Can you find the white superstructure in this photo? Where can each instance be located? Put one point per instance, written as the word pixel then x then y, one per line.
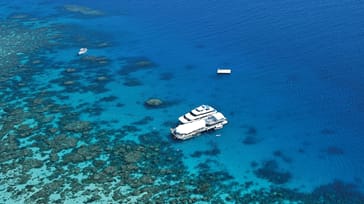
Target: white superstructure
pixel 212 121
pixel 197 113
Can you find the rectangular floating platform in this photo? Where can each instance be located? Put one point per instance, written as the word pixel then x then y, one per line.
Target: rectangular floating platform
pixel 223 71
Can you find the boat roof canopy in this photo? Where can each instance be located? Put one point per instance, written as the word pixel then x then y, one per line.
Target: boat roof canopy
pixel 219 116
pixel 190 127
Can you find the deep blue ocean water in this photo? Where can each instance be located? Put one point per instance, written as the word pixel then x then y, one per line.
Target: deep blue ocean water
pixel 294 100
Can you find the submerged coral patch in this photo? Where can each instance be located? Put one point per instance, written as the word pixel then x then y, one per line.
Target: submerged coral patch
pixel 271 172
pixel 212 152
pixel 153 103
pixel 327 131
pixel 251 140
pixel 134 64
pixel 95 61
pixel 108 98
pixel 283 156
pixel 166 76
pixel 251 135
pixel 77 126
pixel 144 120
pixel 132 81
pixel 82 10
pixel 339 191
pixel 130 128
pixel 334 150
pixel 21 16
pixel 250 130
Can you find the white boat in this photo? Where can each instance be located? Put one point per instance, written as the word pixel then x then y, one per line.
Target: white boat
pixel 223 71
pixel 197 113
pixel 192 129
pixel 82 51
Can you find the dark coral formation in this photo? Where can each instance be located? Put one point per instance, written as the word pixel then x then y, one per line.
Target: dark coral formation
pixel 284 157
pixel 144 120
pixel 109 98
pixel 339 192
pixel 132 81
pixel 250 130
pixel 251 136
pixel 134 64
pixel 327 131
pixel 333 150
pixel 251 140
pixel 271 172
pixel 166 76
pixel 214 151
pixel 335 192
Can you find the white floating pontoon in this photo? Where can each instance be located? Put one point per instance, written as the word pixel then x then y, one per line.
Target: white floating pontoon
pixel 223 71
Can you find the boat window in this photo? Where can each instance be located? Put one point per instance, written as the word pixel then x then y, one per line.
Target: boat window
pixel 192 114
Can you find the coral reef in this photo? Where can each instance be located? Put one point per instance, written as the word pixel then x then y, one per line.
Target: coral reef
pixel 82 10
pixel 271 172
pixel 153 102
pixel 134 64
pixel 132 81
pixel 251 136
pixel 333 150
pixel 284 157
pixel 166 76
pixel 214 151
pixel 251 140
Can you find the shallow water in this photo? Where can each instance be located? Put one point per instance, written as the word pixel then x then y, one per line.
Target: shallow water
pixel 75 125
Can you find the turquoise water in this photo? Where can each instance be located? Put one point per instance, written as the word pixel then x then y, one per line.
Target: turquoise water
pixel 75 129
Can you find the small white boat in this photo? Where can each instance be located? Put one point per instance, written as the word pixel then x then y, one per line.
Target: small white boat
pixel 82 51
pixel 223 71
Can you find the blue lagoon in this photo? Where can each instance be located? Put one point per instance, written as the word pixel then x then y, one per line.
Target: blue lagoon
pixel 95 127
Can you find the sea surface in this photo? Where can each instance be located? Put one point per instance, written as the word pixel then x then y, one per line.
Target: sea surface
pixel 78 128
